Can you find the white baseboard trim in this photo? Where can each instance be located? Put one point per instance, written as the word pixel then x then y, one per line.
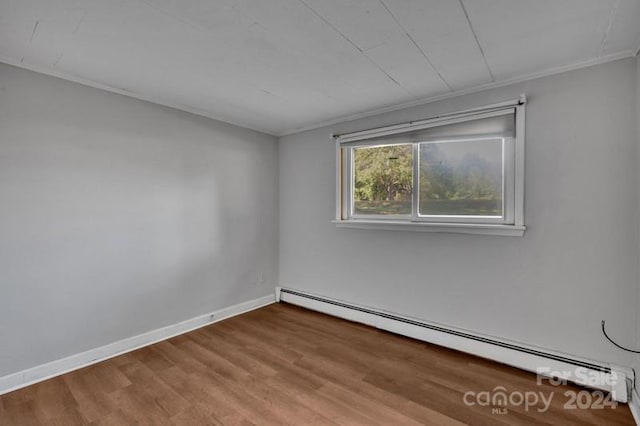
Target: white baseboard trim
pixel 545 362
pixel 634 405
pixel 55 368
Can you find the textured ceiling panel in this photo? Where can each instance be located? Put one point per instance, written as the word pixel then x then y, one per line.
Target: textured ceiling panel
pixel 281 65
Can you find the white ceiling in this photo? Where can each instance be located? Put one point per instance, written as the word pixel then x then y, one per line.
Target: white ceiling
pixel 282 65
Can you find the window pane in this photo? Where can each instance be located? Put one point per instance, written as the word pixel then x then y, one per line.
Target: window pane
pixel 461 178
pixel 383 177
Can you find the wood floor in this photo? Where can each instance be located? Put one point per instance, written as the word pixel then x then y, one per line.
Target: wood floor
pixel 286 365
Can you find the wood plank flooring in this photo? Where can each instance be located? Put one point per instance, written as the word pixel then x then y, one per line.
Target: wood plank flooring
pixel 285 365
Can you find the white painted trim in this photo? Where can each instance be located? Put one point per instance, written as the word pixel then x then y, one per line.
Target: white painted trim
pixel 532 76
pixel 457 228
pixel 523 360
pixel 125 92
pixel 55 368
pixel 634 406
pixel 520 150
pixel 503 108
pixel 510 224
pixel 339 168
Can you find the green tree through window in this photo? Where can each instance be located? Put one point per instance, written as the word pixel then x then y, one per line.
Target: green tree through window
pixel 383 180
pixel 461 178
pixel 456 178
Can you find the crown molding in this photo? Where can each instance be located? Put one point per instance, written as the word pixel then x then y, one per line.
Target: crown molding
pixel 532 76
pixel 125 92
pixel 163 102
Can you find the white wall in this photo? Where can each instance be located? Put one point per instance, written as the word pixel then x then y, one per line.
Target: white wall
pixel 576 264
pixel 636 363
pixel 119 216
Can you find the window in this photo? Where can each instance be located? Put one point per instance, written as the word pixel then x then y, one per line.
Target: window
pixel 459 172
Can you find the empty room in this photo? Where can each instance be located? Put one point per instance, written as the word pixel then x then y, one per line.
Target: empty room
pixel 319 212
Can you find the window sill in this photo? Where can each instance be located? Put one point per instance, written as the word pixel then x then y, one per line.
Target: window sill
pixel 457 228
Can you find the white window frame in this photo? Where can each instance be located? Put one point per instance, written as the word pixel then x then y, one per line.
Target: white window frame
pixel 512 224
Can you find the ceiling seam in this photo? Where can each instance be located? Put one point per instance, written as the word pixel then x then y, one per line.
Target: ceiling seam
pixel 422 52
pixel 487 86
pixel 58 59
pixel 33 33
pixel 612 16
pixel 168 14
pixel 323 19
pixel 196 26
pixel 473 31
pixel 79 24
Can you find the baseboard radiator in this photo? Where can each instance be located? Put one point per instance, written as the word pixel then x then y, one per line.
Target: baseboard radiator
pixel 548 363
